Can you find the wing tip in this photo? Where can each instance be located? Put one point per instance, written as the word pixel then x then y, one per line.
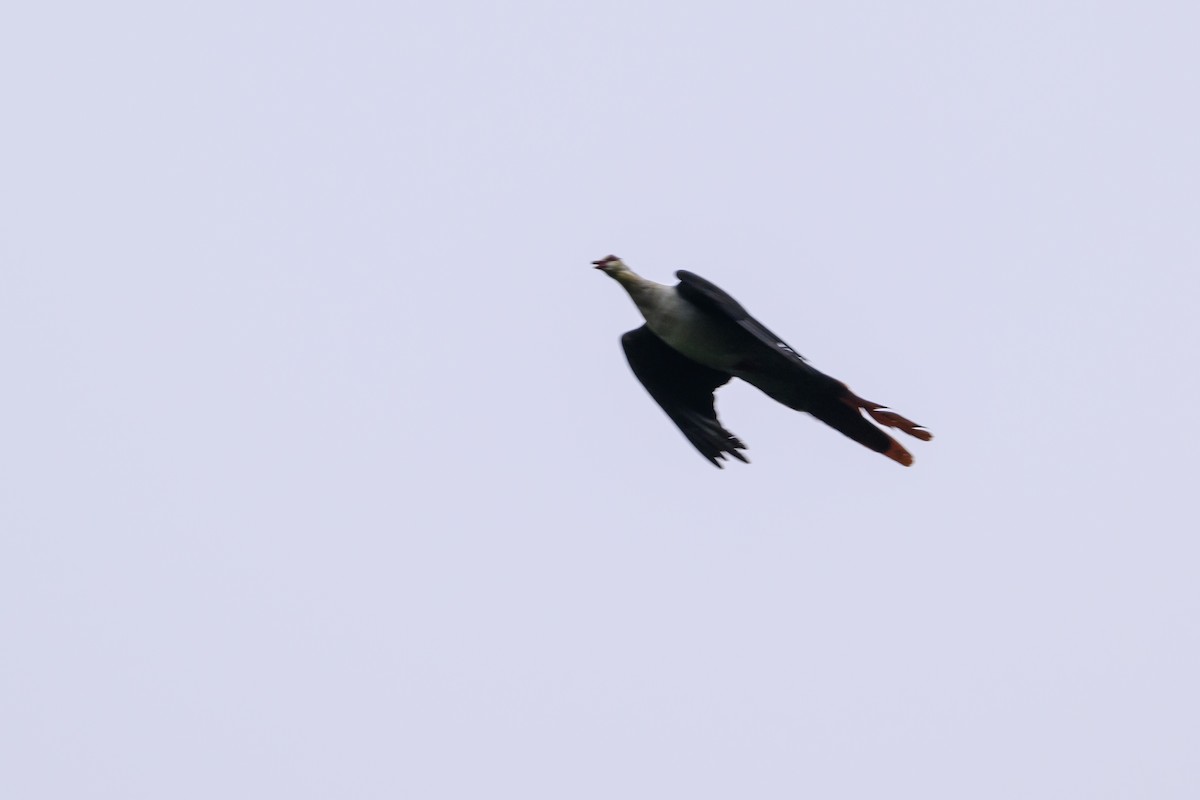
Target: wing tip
pixel 718 458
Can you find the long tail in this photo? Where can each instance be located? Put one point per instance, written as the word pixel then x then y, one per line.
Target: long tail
pixel 850 421
pixel 844 413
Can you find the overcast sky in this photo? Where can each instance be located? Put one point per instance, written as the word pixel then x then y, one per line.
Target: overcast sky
pixel 323 474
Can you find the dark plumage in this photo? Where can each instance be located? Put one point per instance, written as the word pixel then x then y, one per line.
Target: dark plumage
pixel 697 337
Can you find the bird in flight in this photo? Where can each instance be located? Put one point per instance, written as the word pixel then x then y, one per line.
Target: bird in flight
pixel 697 337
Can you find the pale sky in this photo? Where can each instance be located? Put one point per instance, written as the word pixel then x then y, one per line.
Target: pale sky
pixel 323 473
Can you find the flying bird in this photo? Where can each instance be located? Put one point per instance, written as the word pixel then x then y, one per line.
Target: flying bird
pixel 697 337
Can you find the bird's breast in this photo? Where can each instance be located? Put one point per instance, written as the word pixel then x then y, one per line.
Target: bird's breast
pixel 704 339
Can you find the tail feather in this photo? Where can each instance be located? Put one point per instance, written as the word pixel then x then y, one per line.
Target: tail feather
pixel 849 421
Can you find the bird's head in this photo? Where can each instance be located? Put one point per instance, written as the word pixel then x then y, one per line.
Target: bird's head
pixel 611 265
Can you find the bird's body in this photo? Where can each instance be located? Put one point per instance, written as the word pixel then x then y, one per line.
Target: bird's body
pixel 697 337
pixel 706 340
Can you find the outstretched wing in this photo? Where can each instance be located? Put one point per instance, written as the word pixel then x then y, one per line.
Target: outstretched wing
pixel 791 380
pixel 717 302
pixel 684 389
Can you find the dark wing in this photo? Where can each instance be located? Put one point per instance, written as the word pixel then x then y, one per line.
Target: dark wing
pixel 796 383
pixel 717 302
pixel 684 389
